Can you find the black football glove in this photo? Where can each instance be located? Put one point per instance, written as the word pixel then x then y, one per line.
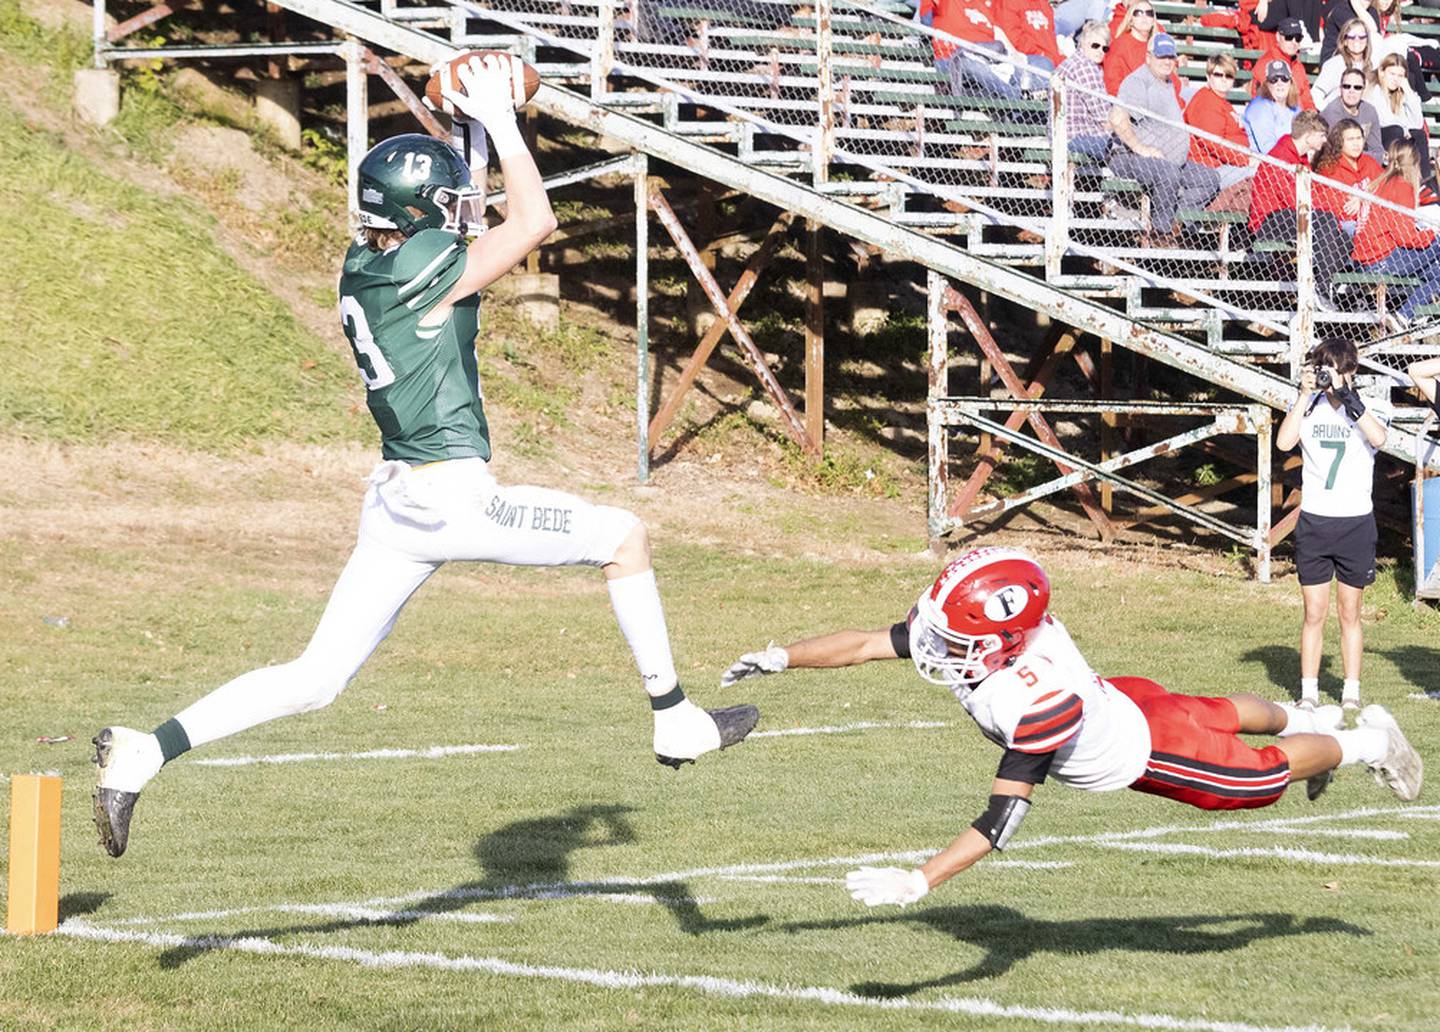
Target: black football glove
pixel 1350 399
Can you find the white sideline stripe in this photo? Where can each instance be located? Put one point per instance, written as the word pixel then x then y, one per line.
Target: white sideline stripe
pixel 1430 696
pixel 859 725
pixel 706 984
pixel 434 752
pixel 372 915
pixel 1302 855
pixel 1374 834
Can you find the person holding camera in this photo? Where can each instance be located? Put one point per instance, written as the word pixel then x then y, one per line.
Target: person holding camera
pixel 1335 537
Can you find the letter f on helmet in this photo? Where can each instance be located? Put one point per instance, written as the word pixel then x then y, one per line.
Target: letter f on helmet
pixel 978 615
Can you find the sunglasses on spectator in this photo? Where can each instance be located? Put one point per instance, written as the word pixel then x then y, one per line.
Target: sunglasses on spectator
pixel 1143 12
pixel 1100 46
pixel 1352 85
pixel 1272 80
pixel 1292 39
pixel 1358 35
pixel 1221 75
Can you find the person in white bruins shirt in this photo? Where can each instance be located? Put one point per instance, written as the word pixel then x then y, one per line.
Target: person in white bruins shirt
pixel 983 631
pixel 1338 437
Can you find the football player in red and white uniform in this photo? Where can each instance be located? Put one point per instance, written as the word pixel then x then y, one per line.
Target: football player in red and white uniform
pixel 983 630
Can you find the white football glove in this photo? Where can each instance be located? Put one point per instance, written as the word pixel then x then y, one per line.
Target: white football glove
pixel 771 661
pixel 489 87
pixel 876 886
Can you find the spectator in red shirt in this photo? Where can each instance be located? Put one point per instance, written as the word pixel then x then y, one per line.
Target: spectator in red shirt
pixel 1389 241
pixel 1272 202
pixel 1029 27
pixel 1130 42
pixel 1343 159
pixel 1287 50
pixel 966 68
pixel 1210 109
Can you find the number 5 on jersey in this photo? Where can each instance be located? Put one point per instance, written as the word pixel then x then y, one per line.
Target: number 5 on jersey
pixel 374 370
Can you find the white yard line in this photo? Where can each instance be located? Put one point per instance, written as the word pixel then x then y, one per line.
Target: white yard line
pixel 433 752
pixel 859 725
pixel 708 985
pixel 1308 856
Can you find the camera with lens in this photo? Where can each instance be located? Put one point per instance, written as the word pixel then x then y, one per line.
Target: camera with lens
pixel 1325 377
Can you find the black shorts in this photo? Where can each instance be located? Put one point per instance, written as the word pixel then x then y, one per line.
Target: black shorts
pixel 1335 546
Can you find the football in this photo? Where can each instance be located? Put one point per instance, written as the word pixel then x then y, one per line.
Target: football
pixel 444 74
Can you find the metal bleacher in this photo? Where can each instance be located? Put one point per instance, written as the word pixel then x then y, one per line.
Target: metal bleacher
pixel 833 110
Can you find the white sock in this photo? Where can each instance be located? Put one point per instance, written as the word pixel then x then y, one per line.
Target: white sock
pixel 636 601
pixel 1351 689
pixel 1297 721
pixel 1309 687
pixel 1366 745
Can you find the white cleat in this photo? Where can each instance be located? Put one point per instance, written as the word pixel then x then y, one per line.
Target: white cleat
pixel 685 732
pixel 1328 717
pixel 1350 700
pixel 127 760
pixel 1402 771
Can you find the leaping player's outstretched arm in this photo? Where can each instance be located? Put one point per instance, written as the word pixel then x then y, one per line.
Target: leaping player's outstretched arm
pixel 1425 374
pixel 488 99
pixel 837 649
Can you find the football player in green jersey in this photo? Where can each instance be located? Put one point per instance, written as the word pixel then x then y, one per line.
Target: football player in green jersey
pixel 409 306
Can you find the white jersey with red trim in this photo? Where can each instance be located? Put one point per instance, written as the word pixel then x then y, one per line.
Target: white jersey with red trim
pixel 1049 700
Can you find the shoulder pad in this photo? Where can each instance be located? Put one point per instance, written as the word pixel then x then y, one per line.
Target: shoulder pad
pixel 429 257
pixel 1048 722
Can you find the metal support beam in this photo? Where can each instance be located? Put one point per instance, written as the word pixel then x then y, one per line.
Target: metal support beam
pixel 140 21
pixel 815 334
pixel 402 90
pixel 937 375
pixel 357 121
pixel 642 316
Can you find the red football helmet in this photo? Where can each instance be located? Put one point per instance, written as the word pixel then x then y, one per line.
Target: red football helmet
pixel 978 615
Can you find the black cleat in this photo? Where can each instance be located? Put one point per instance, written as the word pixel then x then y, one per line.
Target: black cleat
pixel 1315 786
pixel 733 723
pixel 113 807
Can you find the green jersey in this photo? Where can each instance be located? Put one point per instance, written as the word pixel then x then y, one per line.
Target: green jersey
pixel 422 385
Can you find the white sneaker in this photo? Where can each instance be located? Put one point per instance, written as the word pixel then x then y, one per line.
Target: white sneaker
pixel 1350 699
pixel 127 760
pixel 1328 717
pixel 1401 770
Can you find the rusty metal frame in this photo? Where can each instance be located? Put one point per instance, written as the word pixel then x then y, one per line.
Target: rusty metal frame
pixel 790 422
pixel 1225 419
pixel 716 331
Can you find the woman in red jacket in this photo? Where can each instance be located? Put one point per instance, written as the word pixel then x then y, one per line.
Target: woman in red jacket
pixel 1211 110
pixel 1389 241
pixel 1128 42
pixel 1344 160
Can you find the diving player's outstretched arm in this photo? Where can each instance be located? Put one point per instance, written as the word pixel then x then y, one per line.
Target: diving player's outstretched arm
pixel 487 98
pixel 837 649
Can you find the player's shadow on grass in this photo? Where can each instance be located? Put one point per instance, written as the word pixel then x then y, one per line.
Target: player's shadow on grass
pixel 528 859
pixel 1282 667
pixel 1008 937
pixel 78 904
pixel 1418 665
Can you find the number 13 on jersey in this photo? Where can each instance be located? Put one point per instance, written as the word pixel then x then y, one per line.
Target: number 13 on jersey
pixel 374 370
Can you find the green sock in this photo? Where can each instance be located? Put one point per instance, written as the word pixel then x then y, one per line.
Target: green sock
pixel 172 738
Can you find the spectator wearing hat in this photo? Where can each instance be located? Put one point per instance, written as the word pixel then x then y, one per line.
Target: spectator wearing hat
pixel 1269 114
pixel 1129 43
pixel 1087 110
pixel 1210 110
pixel 1154 145
pixel 1273 213
pixel 1287 50
pixel 1349 103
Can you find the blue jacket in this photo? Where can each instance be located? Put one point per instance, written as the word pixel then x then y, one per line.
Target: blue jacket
pixel 1267 121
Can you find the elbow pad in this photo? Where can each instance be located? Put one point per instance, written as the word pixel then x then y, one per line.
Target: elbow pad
pixel 1001 819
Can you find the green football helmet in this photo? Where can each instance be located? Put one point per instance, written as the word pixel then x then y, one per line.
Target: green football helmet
pixel 413 182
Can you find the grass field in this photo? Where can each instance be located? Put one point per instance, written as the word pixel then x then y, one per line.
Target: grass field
pixel 571 881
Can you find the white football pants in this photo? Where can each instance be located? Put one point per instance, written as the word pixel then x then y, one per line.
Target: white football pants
pixel 413 520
